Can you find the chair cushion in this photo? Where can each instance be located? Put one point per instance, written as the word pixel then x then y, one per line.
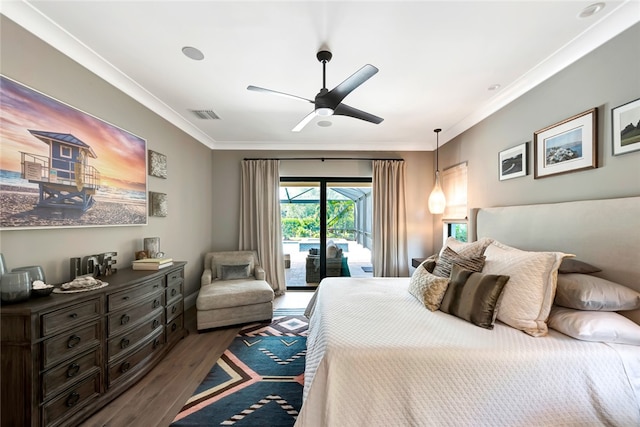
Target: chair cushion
pixel 233 293
pixel 231 258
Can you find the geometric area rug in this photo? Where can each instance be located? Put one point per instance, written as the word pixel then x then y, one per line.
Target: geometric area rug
pixel 257 381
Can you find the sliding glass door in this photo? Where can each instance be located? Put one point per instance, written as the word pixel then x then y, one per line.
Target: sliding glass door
pixel 329 213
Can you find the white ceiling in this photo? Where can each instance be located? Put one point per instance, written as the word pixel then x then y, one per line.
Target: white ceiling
pixel 437 60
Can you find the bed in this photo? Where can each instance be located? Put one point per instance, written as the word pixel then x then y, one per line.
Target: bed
pixel 377 357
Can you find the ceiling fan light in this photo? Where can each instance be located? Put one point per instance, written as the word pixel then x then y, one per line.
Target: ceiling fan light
pixel 324 111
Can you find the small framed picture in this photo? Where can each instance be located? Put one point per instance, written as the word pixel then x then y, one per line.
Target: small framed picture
pixel 157 164
pixel 625 128
pixel 568 146
pixel 512 163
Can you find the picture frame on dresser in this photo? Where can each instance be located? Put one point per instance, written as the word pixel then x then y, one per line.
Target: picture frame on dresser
pixel 567 146
pixel 625 128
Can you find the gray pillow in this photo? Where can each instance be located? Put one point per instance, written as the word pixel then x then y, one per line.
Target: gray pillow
pixel 473 296
pixel 449 257
pixel 572 265
pixel 230 272
pixel 586 292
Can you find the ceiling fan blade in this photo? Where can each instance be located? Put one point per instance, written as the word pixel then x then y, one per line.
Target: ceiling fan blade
pixel 286 95
pixel 345 110
pixel 338 93
pixel 304 121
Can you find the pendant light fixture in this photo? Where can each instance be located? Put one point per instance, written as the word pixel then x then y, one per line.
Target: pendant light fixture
pixel 437 201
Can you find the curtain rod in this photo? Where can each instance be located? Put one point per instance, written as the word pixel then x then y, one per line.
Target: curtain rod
pixel 318 158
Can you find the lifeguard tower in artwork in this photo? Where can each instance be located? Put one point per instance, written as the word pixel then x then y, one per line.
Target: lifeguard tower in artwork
pixel 65 178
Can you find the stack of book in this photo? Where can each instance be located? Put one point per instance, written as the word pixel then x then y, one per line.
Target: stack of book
pixel 151 263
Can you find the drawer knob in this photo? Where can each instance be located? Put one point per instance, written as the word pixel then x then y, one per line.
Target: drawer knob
pixel 125 298
pixel 73 398
pixel 124 343
pixel 124 319
pixel 156 286
pixel 174 292
pixel 156 323
pixel 174 309
pixel 174 327
pixel 125 367
pixel 73 341
pixel 156 343
pixel 156 303
pixel 73 370
pixel 73 315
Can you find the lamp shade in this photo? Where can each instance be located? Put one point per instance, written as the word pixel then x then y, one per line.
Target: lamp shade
pixel 437 202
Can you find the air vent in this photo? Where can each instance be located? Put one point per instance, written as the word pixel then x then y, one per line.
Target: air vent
pixel 205 114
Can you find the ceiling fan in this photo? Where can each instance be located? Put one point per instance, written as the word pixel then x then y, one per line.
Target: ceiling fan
pixel 329 102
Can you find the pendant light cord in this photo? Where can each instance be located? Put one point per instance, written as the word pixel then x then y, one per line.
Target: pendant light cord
pixel 437 131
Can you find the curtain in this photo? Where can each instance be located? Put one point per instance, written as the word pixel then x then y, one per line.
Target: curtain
pixel 389 219
pixel 260 226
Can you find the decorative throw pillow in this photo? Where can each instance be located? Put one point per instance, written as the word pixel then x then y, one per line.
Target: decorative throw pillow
pixel 230 272
pixel 449 257
pixel 529 294
pixel 585 292
pixel 601 326
pixel 467 249
pixel 571 265
pixel 427 288
pixel 473 296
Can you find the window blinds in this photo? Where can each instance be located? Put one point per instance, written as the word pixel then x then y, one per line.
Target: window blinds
pixel 454 186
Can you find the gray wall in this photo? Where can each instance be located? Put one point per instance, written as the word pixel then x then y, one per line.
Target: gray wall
pixel 226 171
pixel 606 78
pixel 184 235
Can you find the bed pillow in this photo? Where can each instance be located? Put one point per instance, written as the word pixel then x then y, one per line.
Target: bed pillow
pixel 427 288
pixel 230 272
pixel 473 296
pixel 467 249
pixel 572 265
pixel 449 257
pixel 601 326
pixel 529 294
pixel 585 292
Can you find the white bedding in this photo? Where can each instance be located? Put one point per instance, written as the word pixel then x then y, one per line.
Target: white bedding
pixel 377 357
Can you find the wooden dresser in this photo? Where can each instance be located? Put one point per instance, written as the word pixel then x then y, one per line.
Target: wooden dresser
pixel 66 356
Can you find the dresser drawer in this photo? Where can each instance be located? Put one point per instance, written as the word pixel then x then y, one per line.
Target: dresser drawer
pixel 130 317
pixel 174 291
pixel 118 371
pixel 131 296
pixel 119 345
pixel 59 409
pixel 175 277
pixel 174 310
pixel 67 318
pixel 70 344
pixel 67 373
pixel 175 329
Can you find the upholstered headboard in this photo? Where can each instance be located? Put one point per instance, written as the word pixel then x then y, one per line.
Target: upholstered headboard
pixel 605 233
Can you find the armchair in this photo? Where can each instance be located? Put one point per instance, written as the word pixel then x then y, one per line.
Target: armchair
pixel 233 290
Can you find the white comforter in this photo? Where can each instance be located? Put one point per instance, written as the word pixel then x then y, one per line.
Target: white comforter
pixel 377 357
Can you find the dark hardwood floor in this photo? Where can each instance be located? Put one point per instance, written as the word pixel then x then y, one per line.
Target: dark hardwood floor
pixel 158 397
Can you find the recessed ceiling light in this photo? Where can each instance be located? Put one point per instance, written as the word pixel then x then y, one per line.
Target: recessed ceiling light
pixel 324 123
pixel 591 10
pixel 193 53
pixel 494 87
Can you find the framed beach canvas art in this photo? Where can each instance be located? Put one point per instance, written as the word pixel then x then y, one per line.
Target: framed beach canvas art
pixel 62 167
pixel 568 146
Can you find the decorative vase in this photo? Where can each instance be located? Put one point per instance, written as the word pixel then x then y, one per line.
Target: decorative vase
pixel 15 286
pixel 35 272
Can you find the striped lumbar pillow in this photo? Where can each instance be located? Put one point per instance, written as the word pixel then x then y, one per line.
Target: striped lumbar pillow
pixel 449 257
pixel 473 296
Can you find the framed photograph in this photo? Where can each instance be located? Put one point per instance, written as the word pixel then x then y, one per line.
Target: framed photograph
pixel 157 164
pixel 568 146
pixel 62 167
pixel 625 128
pixel 512 163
